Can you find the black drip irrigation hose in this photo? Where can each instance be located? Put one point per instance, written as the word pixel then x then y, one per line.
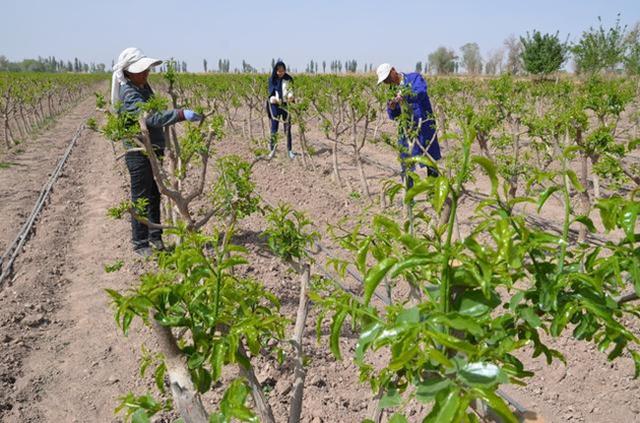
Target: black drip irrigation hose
pixel 15 247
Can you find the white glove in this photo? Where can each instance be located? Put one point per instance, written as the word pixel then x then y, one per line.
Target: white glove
pixel 274 100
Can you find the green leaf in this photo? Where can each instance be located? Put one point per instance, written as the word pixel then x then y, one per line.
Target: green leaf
pixel 568 152
pixel 217 360
pixel 427 390
pixel 336 329
pixel 158 376
pixel 545 196
pixel 202 379
pixel 408 264
pixel 417 189
pixel 515 300
pixel 634 273
pixel 586 221
pixel 389 225
pixel 375 275
pixel 496 403
pixel 452 342
pixel 490 168
pixel 365 339
pixel 473 303
pixel 460 322
pixel 398 418
pixel 140 416
pixel 361 259
pixel 636 361
pixel 529 315
pixel 195 361
pixel 446 408
pixel 574 180
pixel 408 316
pixel 628 219
pixel 391 399
pixel 479 374
pixel 441 192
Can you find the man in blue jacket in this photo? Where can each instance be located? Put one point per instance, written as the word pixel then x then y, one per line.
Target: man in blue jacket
pixel 415 96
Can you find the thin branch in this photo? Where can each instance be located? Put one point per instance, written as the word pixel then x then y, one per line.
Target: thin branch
pixel 298 332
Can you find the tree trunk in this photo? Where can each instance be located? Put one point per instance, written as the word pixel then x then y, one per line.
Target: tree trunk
pixel 336 170
pixel 299 370
pixel 596 179
pixel 484 146
pixel 186 399
pixel 8 139
pixel 363 177
pixel 20 126
pixel 263 408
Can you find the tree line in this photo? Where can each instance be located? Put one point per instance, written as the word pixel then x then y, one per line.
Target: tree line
pixel 51 65
pixel 615 50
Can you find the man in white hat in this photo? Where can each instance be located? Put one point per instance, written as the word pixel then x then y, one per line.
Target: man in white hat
pixel 418 104
pixel 130 88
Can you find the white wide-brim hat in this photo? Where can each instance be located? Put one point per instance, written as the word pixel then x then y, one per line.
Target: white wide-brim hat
pixel 383 72
pixel 143 64
pixel 133 60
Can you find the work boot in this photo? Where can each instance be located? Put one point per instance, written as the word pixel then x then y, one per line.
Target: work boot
pixel 144 252
pixel 156 244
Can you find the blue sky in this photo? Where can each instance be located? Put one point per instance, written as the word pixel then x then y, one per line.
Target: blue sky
pixel 374 31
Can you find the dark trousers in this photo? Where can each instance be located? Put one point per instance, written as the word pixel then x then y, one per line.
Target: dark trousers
pixel 279 114
pixel 143 186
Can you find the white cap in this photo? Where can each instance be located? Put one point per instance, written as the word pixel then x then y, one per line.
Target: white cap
pixel 383 72
pixel 135 61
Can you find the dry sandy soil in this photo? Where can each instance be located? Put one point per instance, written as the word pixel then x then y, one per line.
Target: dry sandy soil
pixel 62 358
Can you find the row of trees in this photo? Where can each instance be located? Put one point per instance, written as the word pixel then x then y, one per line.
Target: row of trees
pixel 614 49
pixel 50 64
pixel 336 66
pixel 455 313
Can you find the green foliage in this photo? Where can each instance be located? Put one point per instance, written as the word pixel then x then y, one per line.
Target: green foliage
pixel 139 207
pixel 195 289
pixel 543 54
pixel 287 233
pixel 113 267
pixel 92 124
pixel 154 104
pixel 234 191
pixel 120 126
pixel 442 61
pixel 232 406
pixel 482 298
pixel 101 103
pixel 632 59
pixel 139 409
pixel 600 49
pixel 471 58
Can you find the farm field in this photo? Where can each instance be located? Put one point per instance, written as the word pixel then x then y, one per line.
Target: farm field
pixel 563 143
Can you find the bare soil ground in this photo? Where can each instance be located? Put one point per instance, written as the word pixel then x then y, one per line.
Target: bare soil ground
pixel 63 360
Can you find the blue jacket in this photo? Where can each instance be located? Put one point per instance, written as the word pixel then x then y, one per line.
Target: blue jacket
pixel 275 83
pixel 131 96
pixel 422 111
pixel 275 86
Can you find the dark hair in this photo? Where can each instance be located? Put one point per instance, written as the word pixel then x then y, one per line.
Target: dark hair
pixel 274 74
